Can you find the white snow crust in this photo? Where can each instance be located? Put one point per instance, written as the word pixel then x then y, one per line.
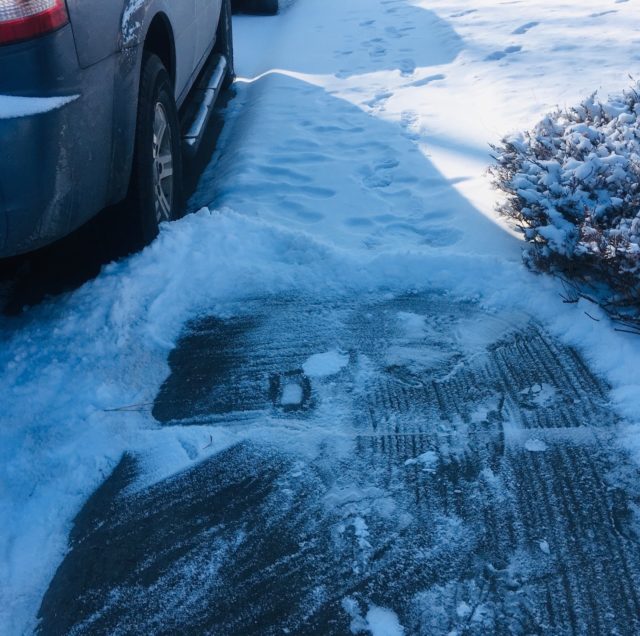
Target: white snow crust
pixel 14 107
pixel 383 622
pixel 379 621
pixel 535 446
pixel 322 365
pixel 291 394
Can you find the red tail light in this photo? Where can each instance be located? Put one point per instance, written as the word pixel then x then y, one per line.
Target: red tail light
pixel 25 19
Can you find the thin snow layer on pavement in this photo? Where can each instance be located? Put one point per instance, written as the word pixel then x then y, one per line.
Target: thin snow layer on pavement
pixel 351 163
pixel 383 487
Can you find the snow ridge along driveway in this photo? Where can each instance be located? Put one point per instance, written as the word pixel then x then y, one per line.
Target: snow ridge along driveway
pixel 348 179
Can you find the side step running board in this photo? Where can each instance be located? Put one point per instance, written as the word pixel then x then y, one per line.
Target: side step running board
pixel 201 103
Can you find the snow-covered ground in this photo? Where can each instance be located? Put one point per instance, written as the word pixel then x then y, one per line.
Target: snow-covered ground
pixel 352 162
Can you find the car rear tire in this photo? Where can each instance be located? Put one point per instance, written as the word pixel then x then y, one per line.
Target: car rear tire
pixel 156 185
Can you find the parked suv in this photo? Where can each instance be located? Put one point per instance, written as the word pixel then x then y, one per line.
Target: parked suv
pixel 98 100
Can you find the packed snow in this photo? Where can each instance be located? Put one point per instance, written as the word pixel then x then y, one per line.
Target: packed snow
pixel 427 460
pixel 353 161
pixel 535 446
pixel 291 394
pixel 378 621
pixel 320 365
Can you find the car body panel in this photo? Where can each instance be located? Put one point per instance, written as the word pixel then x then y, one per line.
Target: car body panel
pixel 93 45
pixel 59 168
pixel 207 15
pixel 43 67
pixel 182 18
pixel 52 165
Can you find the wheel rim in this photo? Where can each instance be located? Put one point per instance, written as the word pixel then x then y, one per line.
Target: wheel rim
pixel 162 164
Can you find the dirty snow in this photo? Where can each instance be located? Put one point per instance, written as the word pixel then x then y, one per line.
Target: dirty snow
pixel 352 161
pixel 130 24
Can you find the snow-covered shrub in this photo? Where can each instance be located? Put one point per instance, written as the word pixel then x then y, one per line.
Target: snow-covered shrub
pixel 573 186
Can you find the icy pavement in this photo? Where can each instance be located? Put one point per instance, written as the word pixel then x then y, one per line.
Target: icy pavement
pixel 337 402
pixel 442 463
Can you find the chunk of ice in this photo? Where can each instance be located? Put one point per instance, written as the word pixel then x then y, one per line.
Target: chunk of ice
pixel 291 395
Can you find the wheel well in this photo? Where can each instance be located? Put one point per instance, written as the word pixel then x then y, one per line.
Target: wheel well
pixel 159 41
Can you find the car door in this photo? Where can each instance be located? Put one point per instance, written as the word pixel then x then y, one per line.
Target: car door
pixel 183 18
pixel 207 12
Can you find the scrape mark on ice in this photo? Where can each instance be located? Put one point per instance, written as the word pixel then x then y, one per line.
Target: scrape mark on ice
pixel 388 487
pixel 361 535
pixel 416 359
pixel 322 365
pixel 362 532
pixel 354 500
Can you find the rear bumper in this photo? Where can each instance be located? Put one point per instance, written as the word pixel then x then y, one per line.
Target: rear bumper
pixel 56 159
pixel 37 175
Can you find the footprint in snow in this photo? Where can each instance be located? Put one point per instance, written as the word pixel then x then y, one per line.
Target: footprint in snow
pixel 427 80
pixel 377 52
pixel 460 14
pixel 499 55
pixel 290 391
pixel 358 222
pixel 521 30
pixel 407 67
pixel 603 13
pixel 378 99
